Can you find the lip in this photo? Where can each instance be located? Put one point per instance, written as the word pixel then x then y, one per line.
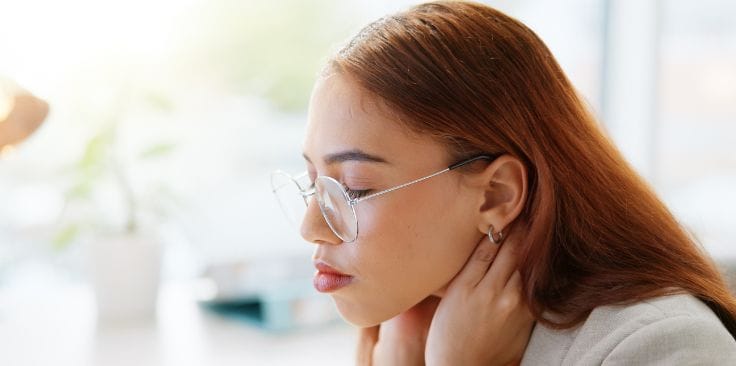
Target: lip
pixel 326 268
pixel 329 279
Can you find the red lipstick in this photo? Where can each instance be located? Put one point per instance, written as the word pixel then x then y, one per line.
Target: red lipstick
pixel 328 279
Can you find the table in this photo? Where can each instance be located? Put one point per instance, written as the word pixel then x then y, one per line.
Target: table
pixel 55 324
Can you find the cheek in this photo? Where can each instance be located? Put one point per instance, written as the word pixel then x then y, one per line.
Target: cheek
pixel 383 262
pixel 406 251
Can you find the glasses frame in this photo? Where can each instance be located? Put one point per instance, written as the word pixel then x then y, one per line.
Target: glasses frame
pixel 352 202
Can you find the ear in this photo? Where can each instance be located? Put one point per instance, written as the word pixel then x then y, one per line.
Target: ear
pixel 502 191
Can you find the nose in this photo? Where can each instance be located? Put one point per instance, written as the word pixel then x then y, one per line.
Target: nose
pixel 314 228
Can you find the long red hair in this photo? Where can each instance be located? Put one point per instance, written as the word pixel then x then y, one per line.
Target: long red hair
pixel 481 82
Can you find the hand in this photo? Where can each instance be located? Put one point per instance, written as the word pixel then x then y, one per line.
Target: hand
pixel 481 320
pixel 399 340
pixel 474 323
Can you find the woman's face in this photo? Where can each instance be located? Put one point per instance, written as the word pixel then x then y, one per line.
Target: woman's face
pixel 412 241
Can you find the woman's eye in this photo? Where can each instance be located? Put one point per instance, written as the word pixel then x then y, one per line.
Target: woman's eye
pixel 355 194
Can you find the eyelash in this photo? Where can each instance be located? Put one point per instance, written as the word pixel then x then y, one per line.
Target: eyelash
pixel 352 193
pixel 355 194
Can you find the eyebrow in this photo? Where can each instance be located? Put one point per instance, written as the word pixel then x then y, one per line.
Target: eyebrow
pixel 350 155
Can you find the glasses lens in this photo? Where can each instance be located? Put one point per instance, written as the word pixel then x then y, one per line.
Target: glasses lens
pixel 334 205
pixel 289 197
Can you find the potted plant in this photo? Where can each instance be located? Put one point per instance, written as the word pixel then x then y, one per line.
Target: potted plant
pixel 117 218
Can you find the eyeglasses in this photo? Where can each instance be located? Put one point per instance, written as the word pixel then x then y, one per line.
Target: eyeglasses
pixel 336 202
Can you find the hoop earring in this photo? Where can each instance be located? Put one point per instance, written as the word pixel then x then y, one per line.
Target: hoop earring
pixel 494 239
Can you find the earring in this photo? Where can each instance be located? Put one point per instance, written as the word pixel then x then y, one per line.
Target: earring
pixel 494 239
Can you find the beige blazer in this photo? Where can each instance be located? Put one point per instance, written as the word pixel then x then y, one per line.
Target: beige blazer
pixel 670 330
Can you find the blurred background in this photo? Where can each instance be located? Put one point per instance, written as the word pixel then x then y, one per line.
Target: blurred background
pixel 137 224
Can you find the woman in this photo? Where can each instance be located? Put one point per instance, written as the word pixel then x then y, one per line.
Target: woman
pixel 469 210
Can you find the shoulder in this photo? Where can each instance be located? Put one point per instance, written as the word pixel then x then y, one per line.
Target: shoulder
pixel 669 330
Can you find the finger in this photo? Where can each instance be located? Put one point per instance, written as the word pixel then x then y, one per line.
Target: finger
pixel 477 265
pixel 367 338
pixel 514 288
pixel 503 267
pixel 514 283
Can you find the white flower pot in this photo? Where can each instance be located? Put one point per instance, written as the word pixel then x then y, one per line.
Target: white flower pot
pixel 125 273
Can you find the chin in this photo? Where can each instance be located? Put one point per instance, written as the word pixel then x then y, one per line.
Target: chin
pixel 360 316
pixel 358 322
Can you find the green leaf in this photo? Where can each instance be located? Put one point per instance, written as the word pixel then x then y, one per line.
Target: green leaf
pixel 157 150
pixel 80 190
pixel 160 102
pixel 95 152
pixel 66 236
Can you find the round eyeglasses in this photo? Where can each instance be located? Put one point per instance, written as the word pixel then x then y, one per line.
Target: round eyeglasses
pixel 336 202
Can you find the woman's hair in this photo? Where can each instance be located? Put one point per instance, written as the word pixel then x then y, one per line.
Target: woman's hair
pixel 480 81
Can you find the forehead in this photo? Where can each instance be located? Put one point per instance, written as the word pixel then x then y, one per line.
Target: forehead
pixel 343 117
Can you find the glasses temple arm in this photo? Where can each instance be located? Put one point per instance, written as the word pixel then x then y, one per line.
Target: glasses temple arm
pixel 453 166
pixel 471 160
pixel 398 187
